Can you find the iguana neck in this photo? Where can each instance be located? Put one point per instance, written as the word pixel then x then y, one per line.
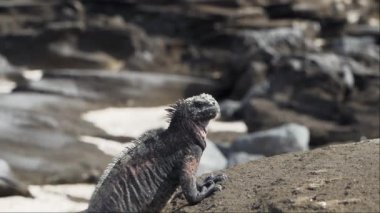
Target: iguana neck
pixel 190 131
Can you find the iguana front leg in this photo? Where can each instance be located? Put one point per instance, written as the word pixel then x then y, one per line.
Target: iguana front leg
pixel 188 182
pixel 212 179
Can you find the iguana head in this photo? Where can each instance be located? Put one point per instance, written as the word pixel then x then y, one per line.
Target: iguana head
pixel 197 110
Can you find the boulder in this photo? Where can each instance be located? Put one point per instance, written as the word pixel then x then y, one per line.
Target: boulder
pixel 309 82
pixel 212 159
pixel 48 132
pixel 5 66
pixel 287 138
pixel 230 110
pixel 363 49
pixel 266 45
pixel 10 73
pixel 308 71
pixel 237 158
pixel 75 162
pixel 316 81
pixel 325 91
pixel 253 76
pixel 263 114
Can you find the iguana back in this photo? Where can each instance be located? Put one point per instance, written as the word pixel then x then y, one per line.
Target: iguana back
pixel 149 178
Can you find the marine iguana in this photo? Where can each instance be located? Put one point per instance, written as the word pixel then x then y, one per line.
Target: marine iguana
pixel 143 178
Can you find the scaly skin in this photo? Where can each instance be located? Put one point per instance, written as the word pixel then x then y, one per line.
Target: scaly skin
pixel 143 178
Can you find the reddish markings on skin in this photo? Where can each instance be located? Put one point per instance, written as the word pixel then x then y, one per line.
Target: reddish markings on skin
pixel 148 163
pixel 191 165
pixel 133 170
pixel 201 132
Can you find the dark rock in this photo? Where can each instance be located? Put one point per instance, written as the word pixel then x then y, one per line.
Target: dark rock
pixel 254 76
pixel 268 45
pixel 364 30
pixel 283 139
pixel 10 72
pixel 316 81
pixel 364 51
pixel 262 89
pixel 9 184
pixel 262 114
pixel 258 49
pixel 48 133
pixel 35 15
pixel 126 46
pixel 230 110
pixel 314 67
pixel 118 88
pixel 331 17
pixel 74 163
pixel 47 111
pixel 331 65
pixel 364 48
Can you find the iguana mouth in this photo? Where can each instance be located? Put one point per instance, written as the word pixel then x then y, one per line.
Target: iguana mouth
pixel 207 115
pixel 203 132
pixel 202 128
pixel 210 113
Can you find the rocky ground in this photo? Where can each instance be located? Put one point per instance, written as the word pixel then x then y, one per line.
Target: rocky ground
pixel 338 178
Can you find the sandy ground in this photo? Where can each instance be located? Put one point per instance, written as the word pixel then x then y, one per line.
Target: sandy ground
pixel 338 178
pixel 133 121
pixel 50 198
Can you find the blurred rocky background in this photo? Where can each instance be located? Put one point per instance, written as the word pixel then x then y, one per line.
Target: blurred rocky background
pixel 79 79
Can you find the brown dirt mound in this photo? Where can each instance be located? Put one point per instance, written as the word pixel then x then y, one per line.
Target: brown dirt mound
pixel 342 178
